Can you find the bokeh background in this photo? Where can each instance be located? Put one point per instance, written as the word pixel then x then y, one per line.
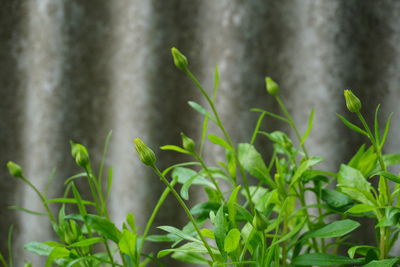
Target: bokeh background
pixel 74 70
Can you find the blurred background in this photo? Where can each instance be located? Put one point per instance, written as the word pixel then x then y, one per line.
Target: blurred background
pixel 74 70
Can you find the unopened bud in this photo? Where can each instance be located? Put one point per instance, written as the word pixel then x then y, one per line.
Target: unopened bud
pixel 180 60
pixel 187 143
pixel 260 222
pixel 72 232
pixel 271 86
pixel 353 103
pixel 146 155
pixel 14 169
pixel 80 154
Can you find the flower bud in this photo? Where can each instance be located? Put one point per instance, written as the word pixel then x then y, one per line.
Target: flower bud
pixel 14 169
pixel 271 86
pixel 71 232
pixel 146 155
pixel 180 60
pixel 353 103
pixel 80 154
pixel 260 222
pixel 187 143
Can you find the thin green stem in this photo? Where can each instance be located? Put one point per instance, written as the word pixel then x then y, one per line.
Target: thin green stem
pixel 42 198
pixel 109 253
pixel 93 189
pixel 292 124
pixel 211 103
pixel 303 147
pixel 383 231
pixel 153 215
pixel 186 209
pixel 225 133
pixel 204 166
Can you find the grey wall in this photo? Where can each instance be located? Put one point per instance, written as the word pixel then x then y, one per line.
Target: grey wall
pixel 73 69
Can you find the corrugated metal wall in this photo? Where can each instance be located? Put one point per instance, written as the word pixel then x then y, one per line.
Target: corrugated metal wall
pixel 73 69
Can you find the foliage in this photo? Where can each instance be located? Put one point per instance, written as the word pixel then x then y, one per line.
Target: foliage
pixel 256 212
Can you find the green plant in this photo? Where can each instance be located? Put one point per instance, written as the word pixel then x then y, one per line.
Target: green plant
pixel 256 212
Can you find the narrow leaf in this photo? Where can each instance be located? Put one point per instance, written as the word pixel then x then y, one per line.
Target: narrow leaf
pixel 232 240
pixel 219 141
pixel 201 110
pixel 175 148
pixel 334 229
pixel 309 127
pixel 104 227
pixel 86 242
pixel 352 126
pixel 322 259
pixel 382 263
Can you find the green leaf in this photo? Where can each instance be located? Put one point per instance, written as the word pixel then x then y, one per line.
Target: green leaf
pixel 305 165
pixel 130 219
pixel 189 257
pixel 376 125
pixel 309 127
pixel 335 199
pixel 231 206
pixel 69 201
pixel 207 233
pixel 257 128
pixel 202 210
pixel 385 133
pixel 38 248
pixel 179 233
pixel 127 243
pixel 360 250
pixel 191 247
pixel 253 163
pixel 354 184
pixel 273 115
pixel 77 196
pixel 382 263
pixel 389 176
pixel 201 110
pixel 27 210
pixel 219 141
pixel 232 240
pixel 391 159
pixel 57 253
pixel 104 227
pixel 188 177
pixel 86 242
pixel 175 148
pixel 322 259
pixel 291 233
pixel 334 229
pixel 357 157
pixel 352 126
pixel 76 176
pixel 220 226
pixel 360 208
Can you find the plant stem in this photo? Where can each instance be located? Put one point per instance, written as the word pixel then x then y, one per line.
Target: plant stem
pixel 186 209
pixel 383 231
pixel 292 124
pixel 42 198
pixel 303 147
pixel 93 189
pixel 160 202
pixel 225 133
pixel 211 103
pixel 109 253
pixel 209 174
